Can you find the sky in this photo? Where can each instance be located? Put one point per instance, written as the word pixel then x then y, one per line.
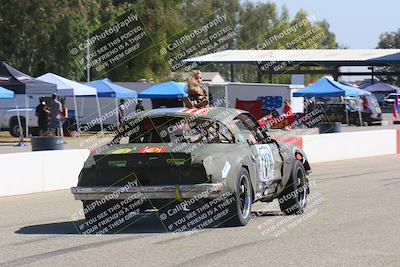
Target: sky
pixel 356 23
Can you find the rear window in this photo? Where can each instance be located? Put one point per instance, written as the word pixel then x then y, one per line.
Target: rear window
pixel 175 129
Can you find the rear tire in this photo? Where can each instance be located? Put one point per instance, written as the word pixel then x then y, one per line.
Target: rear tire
pixel 240 208
pixel 293 198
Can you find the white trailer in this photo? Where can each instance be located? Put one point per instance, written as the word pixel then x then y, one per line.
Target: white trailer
pixel 251 91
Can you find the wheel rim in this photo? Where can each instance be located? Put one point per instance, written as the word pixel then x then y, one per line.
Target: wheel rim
pixel 17 130
pixel 302 192
pixel 244 196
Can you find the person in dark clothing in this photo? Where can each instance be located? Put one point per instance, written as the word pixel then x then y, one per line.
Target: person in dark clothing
pixel 121 111
pixel 42 112
pixel 139 105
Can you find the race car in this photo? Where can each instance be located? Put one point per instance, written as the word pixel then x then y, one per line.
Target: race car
pixel 184 163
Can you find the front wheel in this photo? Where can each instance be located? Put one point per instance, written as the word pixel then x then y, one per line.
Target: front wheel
pixel 15 131
pixel 240 209
pixel 293 198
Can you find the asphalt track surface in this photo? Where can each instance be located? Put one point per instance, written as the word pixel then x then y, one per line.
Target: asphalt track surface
pixel 352 220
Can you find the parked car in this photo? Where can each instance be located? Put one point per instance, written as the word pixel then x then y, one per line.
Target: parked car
pixel 26 111
pixel 371 112
pixel 389 99
pixel 192 162
pixel 367 105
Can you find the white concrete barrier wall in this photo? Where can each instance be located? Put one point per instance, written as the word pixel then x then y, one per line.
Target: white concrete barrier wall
pixel 32 172
pixel 340 146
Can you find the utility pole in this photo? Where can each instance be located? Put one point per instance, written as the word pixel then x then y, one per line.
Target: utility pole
pixel 87 60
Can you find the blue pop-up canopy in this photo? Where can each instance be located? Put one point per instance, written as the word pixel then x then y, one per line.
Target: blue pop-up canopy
pixel 360 92
pixel 382 87
pixel 6 94
pixel 165 90
pixel 105 88
pixel 326 87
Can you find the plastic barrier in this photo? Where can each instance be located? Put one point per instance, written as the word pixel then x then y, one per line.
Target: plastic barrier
pixel 330 127
pixel 40 143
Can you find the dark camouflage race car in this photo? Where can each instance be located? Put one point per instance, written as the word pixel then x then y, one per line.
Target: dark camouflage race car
pixel 193 167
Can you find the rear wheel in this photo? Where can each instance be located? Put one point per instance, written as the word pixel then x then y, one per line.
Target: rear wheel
pixel 293 198
pixel 240 209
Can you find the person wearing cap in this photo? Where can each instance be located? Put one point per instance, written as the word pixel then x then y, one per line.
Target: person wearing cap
pixel 56 116
pixel 42 112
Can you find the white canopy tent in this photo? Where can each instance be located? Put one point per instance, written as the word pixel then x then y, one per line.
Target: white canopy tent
pixel 67 87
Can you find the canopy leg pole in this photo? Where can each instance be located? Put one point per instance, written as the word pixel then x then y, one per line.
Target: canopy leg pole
pixel 98 109
pixel 226 96
pixel 21 136
pixel 347 116
pixel 359 112
pixel 116 110
pixel 27 116
pixel 82 104
pixel 77 117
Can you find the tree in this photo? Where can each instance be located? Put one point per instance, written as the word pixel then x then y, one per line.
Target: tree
pixel 36 34
pixel 390 40
pixel 160 20
pixel 40 36
pixel 263 27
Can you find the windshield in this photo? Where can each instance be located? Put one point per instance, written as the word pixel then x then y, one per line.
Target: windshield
pixel 175 129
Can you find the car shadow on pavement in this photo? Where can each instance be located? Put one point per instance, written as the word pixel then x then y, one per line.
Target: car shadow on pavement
pixel 143 223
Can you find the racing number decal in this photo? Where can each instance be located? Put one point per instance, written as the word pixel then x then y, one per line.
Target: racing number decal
pixel 266 163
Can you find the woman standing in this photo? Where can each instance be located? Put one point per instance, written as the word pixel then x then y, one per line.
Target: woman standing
pixel 197 95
